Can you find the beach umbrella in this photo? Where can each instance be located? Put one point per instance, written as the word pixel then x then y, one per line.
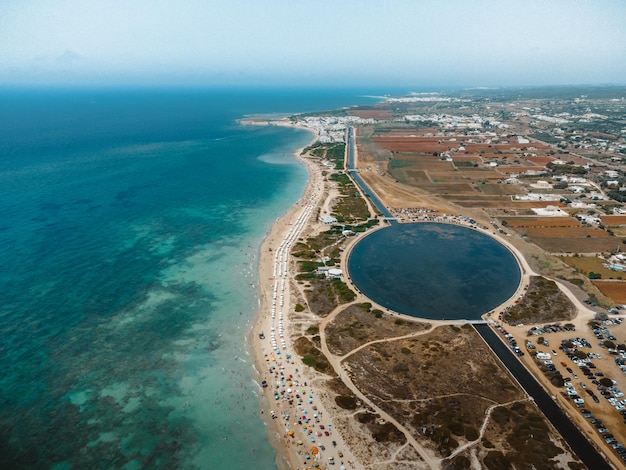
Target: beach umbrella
pixel 291 433
pixel 299 442
pixel 314 450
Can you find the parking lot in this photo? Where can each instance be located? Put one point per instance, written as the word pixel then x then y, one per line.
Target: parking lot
pixel 584 368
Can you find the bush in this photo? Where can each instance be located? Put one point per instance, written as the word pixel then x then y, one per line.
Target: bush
pixel 496 460
pixel 313 330
pixel 471 433
pixel 347 402
pixel 299 308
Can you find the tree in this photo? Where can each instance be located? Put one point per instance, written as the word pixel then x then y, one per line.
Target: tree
pixel 606 382
pixel 580 354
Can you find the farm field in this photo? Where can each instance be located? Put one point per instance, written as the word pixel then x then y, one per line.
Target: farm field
pixel 615 290
pixel 541 222
pixel 500 189
pixel 574 245
pixel 541 161
pixel 565 232
pixel 619 232
pixel 570 239
pixel 428 145
pixel 588 264
pixel 613 220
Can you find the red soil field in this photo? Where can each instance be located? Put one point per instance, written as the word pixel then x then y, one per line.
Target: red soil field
pixel 490 148
pixel 412 147
pixel 614 220
pixel 575 245
pixel 566 232
pixel 542 222
pixel 615 290
pixel 541 161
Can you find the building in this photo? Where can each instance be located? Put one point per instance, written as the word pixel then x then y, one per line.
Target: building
pixel 334 273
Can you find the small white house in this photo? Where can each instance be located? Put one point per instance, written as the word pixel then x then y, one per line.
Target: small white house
pixel 328 220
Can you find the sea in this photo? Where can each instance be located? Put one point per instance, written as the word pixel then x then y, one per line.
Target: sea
pixel 130 227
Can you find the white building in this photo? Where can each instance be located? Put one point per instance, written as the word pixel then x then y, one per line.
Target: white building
pixel 328 220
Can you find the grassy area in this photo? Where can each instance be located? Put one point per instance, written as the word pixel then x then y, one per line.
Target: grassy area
pixel 587 264
pixel 312 356
pixel 325 295
pixel 350 207
pixel 332 152
pixel 465 164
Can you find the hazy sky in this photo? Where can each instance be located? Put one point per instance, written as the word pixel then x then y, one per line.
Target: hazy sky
pixel 304 42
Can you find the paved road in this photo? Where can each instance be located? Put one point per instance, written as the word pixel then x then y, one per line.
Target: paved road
pixel 355 175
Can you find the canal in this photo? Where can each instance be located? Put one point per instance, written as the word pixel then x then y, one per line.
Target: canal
pixel 355 175
pixel 570 433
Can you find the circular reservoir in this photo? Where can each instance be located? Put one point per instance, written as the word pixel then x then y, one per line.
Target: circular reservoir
pixel 434 270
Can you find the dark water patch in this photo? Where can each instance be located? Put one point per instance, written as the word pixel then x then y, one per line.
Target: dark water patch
pixel 437 271
pixel 124 368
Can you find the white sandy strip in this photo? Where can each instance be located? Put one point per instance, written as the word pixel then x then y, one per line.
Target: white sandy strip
pixel 281 265
pixel 292 401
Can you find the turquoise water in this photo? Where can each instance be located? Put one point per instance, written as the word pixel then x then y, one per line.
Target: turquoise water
pixel 130 223
pixel 433 270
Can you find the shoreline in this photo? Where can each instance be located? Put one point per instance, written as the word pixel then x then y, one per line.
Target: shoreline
pixel 297 421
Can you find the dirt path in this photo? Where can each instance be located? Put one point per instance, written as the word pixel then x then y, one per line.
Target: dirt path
pixel 430 460
pixel 482 428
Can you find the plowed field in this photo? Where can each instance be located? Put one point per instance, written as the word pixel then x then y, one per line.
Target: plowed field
pixel 614 220
pixel 542 222
pixel 615 290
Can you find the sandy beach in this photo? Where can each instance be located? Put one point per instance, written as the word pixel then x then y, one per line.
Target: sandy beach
pixel 299 426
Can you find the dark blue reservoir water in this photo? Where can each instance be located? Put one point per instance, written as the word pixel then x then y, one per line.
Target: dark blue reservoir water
pixel 434 270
